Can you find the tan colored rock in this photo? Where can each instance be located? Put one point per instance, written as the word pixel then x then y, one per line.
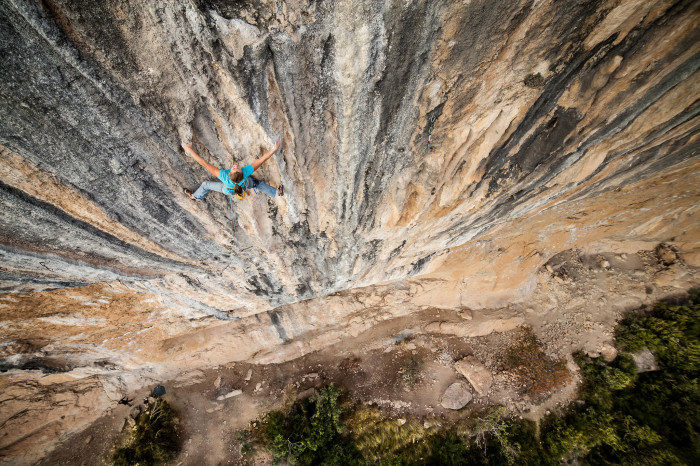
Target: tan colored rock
pixel 466 314
pixel 308 393
pixel 609 352
pixel 478 375
pixel 691 258
pixel 668 276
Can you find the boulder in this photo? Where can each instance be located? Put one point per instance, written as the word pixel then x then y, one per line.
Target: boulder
pixel 609 352
pixel 476 373
pixel 456 396
pixel 645 361
pixel 308 393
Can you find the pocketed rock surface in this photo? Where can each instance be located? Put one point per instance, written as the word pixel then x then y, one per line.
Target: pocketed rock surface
pixel 514 162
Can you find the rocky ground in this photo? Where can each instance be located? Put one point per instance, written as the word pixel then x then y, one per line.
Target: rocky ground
pixel 404 369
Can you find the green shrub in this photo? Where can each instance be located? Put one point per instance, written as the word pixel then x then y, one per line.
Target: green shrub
pixel 630 418
pixel 154 439
pixel 670 331
pixel 534 80
pixel 309 433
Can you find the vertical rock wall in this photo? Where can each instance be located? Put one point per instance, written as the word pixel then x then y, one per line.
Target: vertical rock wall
pixel 522 103
pixel 460 143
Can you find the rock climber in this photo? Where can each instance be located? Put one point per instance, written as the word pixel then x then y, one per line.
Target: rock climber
pixel 235 180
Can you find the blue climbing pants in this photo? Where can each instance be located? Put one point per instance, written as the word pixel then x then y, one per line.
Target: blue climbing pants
pixel 251 183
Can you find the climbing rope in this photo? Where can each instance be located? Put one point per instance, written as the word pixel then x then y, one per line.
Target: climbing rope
pixel 233 216
pixel 430 130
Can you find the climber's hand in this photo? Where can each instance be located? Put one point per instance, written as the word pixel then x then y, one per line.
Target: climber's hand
pixel 186 145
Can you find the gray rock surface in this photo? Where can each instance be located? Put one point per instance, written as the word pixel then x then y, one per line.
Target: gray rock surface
pixel 645 361
pixel 457 396
pixel 97 98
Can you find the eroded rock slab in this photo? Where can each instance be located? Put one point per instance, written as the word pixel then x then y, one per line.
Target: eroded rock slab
pixel 476 373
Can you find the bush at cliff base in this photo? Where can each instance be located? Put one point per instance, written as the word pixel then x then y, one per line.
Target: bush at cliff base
pixel 622 417
pixel 309 433
pixel 630 418
pixel 154 439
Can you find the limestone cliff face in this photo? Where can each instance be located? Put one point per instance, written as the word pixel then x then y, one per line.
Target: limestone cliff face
pixel 96 97
pixel 463 143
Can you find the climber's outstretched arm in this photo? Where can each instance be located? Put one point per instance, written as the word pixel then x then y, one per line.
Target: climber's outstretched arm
pixel 211 168
pixel 262 159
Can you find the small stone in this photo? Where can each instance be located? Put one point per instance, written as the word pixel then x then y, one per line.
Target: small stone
pixel 549 268
pixel 249 375
pixel 308 393
pixel 88 440
pixel 217 382
pixel 466 314
pixel 151 400
pixel 401 421
pixel 229 395
pixel 135 411
pixel 456 396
